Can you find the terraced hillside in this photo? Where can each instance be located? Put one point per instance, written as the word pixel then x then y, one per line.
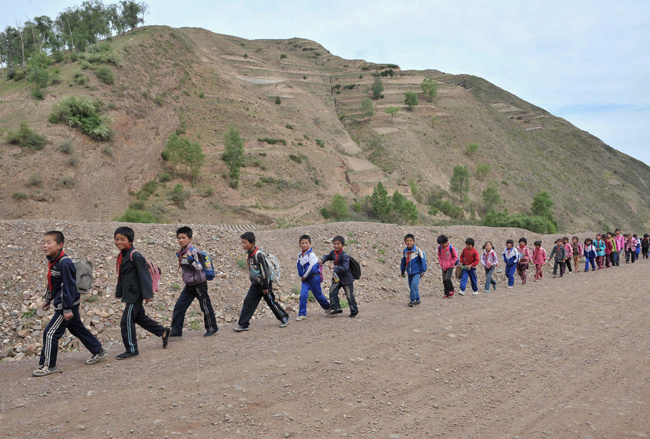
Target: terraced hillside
pixel 306 102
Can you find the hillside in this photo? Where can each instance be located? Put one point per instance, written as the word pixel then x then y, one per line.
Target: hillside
pixel 201 84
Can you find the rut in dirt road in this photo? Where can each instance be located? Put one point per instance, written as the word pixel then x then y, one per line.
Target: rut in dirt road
pixel 561 358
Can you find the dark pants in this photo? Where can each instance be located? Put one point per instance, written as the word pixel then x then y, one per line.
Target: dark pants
pixel 561 266
pixel 645 252
pixel 612 259
pixel 255 294
pixel 134 313
pixel 446 280
pixel 349 294
pixel 184 301
pixel 618 258
pixel 55 330
pixel 568 265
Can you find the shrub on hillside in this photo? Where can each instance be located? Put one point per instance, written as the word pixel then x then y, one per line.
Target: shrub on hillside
pixel 58 56
pixel 337 208
pixel 37 94
pixel 103 53
pixel 533 223
pixel 136 216
pixel 40 77
pixel 165 177
pixel 26 137
pixel 105 74
pixel 82 112
pixel 271 141
pixel 80 78
pixel 34 180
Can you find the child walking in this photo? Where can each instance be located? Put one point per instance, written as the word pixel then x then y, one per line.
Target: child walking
pixel 560 257
pixel 637 248
pixel 539 259
pixel 608 248
pixel 645 246
pixel 447 259
pixel 310 276
pixel 134 286
pixel 413 265
pixel 576 250
pixel 510 257
pixel 620 245
pixel 260 276
pixel 341 277
pixel 490 261
pixel 63 294
pixel 590 254
pixel 469 260
pixel 600 245
pixel 524 258
pixel 568 253
pixel 196 286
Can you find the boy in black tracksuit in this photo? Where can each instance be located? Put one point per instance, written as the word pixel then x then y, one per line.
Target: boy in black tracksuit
pixel 196 286
pixel 62 293
pixel 341 277
pixel 133 287
pixel 261 286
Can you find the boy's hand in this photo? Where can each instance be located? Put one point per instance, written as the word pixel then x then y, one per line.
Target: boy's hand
pixel 303 279
pixel 148 300
pixel 331 266
pixel 190 258
pixel 67 315
pixel 265 292
pixel 46 306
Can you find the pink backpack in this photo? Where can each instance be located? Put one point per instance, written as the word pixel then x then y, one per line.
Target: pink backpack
pixel 154 271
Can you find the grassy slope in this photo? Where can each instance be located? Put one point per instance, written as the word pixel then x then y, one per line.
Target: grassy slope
pixel 178 66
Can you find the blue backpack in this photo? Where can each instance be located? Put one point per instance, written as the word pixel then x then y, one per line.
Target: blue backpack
pixel 206 263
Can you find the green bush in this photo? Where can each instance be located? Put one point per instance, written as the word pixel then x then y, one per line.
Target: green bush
pixel 37 94
pixel 102 53
pixel 178 196
pixel 73 160
pixel 272 141
pixel 67 182
pixel 320 143
pixel 295 158
pixel 278 101
pixel 56 78
pixel 150 186
pixel 34 180
pixel 137 205
pixel 82 112
pixel 449 209
pixel 19 195
pixel 283 56
pixel 80 78
pixel 159 99
pixel 58 56
pixel 40 77
pixel 74 57
pixel 26 137
pixel 19 76
pixel 337 209
pixel 533 223
pixel 105 74
pixel 165 177
pixel 136 216
pixel 67 147
pixel 10 72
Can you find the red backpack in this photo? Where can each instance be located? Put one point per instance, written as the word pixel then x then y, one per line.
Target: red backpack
pixel 154 271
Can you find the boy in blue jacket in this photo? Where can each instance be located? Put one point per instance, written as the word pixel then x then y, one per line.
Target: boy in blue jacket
pixel 341 277
pixel 511 258
pixel 414 264
pixel 309 272
pixel 62 293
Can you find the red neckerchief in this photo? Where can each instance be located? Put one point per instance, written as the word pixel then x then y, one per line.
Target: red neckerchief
pixel 49 269
pixel 251 254
pixel 119 263
pixel 408 255
pixel 336 256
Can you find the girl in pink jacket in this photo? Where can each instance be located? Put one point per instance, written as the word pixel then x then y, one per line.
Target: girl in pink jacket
pixel 539 259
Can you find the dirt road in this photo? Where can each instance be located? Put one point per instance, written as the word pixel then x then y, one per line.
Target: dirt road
pixel 561 358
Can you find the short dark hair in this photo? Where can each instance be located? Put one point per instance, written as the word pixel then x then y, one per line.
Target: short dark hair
pixel 559 240
pixel 565 238
pixel 184 230
pixel 339 238
pixel 524 240
pixel 248 236
pixel 617 230
pixel 442 239
pixel 510 241
pixel 634 235
pixel 588 240
pixel 125 231
pixel 307 237
pixel 537 243
pixel 58 236
pixel 409 235
pixel 470 241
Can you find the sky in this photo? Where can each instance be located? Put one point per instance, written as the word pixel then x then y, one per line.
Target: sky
pixel 585 61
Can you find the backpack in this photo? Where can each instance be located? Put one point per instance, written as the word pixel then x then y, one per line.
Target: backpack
pixel 154 271
pixel 355 268
pixel 452 250
pixel 273 264
pixel 206 262
pixel 84 277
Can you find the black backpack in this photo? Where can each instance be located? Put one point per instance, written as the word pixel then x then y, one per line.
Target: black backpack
pixel 355 268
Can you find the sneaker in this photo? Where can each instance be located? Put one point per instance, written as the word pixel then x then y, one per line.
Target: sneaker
pixel 125 355
pixel 284 324
pixel 417 302
pixel 336 311
pixel 44 370
pixel 486 291
pixel 210 333
pixel 354 314
pixel 97 357
pixel 461 292
pixel 509 287
pixel 451 294
pixel 165 337
pixel 475 293
pixel 494 287
pixel 411 303
pixel 300 318
pixel 175 335
pixel 239 328
pixel 327 311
